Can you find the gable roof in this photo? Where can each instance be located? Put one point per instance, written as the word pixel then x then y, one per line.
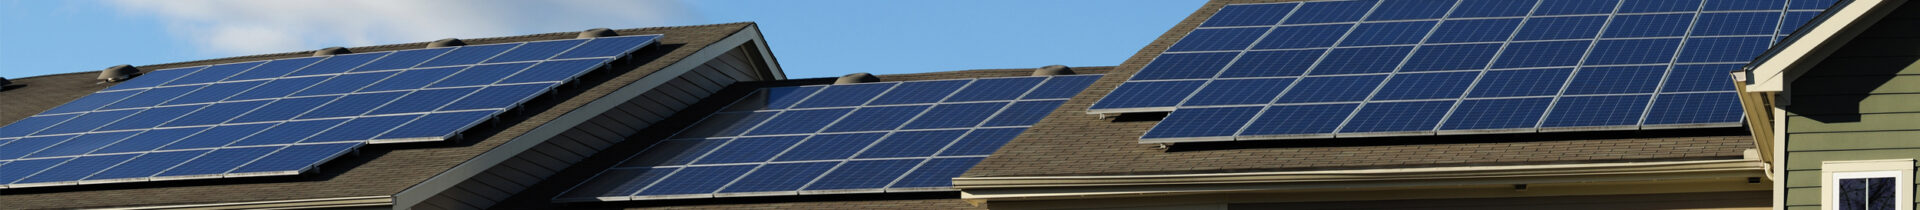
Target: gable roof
pixel 1813 42
pixel 374 174
pixel 1070 142
pixel 539 195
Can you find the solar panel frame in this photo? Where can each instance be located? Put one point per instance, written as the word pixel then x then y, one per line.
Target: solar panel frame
pixel 265 135
pixel 706 143
pixel 1615 42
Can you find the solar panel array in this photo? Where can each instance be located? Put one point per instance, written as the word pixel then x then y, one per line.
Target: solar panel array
pixel 286 116
pixel 856 138
pixel 1328 69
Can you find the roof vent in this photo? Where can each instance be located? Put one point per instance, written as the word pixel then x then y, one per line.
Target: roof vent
pixel 4 82
pixel 447 42
pixel 596 33
pixel 118 73
pixel 1052 70
pixel 331 51
pixel 856 78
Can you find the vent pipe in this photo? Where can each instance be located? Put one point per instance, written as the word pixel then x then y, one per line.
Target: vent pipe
pixel 596 33
pixel 118 73
pixel 1053 70
pixel 447 42
pixel 331 51
pixel 855 78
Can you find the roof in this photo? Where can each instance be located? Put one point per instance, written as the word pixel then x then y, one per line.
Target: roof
pixel 539 195
pixel 378 170
pixel 1070 142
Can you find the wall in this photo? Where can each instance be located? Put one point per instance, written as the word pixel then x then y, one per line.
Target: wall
pixel 1862 103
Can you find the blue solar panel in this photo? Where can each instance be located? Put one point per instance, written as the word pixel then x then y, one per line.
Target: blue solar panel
pixel 402 59
pixel 1218 39
pixel 1369 60
pixel 1243 91
pixel 1450 57
pixel 1596 111
pixel 1185 66
pixel 1496 114
pixel 345 83
pixel 1498 58
pixel 412 79
pixel 955 115
pixel 154 78
pixel 481 75
pixel 214 73
pixel 608 46
pixel 1307 36
pixel 1400 117
pixel 275 68
pixel 1443 85
pixel 1388 33
pixel 1061 87
pixel 911 144
pixel 831 143
pixel 863 174
pixel 1273 63
pixel 1330 11
pixel 214 93
pixel 338 63
pixel 280 117
pixel 469 55
pixel 1332 89
pixel 1651 25
pixel 692 180
pixel 780 177
pixel 1249 15
pixel 1616 80
pixel 997 89
pixel 982 141
pixel 556 70
pixel 923 92
pixel 1632 51
pixel 799 121
pixel 1694 109
pixel 536 51
pixel 845 95
pixel 1299 120
pixel 878 118
pixel 1202 122
pixel 751 149
pixel 936 173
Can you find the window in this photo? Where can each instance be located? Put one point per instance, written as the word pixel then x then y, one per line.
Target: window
pixel 1868 185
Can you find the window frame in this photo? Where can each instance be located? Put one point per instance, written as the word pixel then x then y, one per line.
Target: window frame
pixel 1900 169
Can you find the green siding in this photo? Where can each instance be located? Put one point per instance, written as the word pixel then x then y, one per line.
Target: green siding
pixel 1862 103
pixel 1853 141
pixel 1855 85
pixel 1811 160
pixel 1866 122
pixel 1868 104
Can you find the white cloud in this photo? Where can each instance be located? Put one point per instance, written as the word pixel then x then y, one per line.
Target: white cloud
pixel 240 27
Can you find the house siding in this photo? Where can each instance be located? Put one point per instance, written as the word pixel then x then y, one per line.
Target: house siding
pixel 516 174
pixel 1862 103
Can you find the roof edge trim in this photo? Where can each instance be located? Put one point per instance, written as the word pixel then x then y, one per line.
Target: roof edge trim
pixel 446 180
pixel 339 202
pixel 1814 42
pixel 1075 187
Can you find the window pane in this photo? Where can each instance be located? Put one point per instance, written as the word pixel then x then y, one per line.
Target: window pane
pixel 1852 194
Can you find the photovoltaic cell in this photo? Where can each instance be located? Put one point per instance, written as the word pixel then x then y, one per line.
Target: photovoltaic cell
pixel 1218 39
pixel 1249 15
pixel 1499 56
pixel 1414 116
pixel 1202 122
pixel 283 116
pixel 831 144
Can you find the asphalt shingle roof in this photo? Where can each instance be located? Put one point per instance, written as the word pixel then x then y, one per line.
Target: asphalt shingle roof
pixel 378 169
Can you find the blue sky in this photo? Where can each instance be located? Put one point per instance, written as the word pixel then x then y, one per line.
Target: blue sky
pixel 811 38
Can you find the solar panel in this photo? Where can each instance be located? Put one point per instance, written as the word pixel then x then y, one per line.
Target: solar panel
pixel 1422 67
pixel 829 139
pixel 285 116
